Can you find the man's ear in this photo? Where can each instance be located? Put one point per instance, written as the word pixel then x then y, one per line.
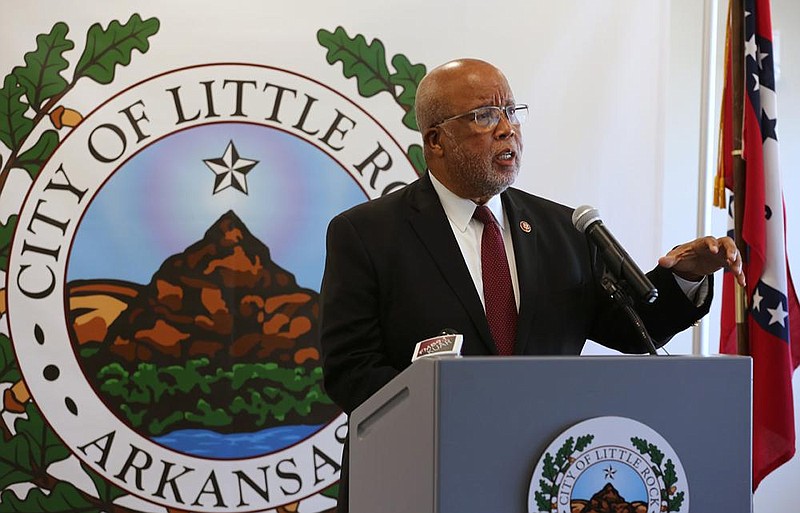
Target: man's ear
pixel 432 140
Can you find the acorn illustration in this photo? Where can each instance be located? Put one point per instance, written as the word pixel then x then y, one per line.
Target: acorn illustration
pixel 288 508
pixel 14 398
pixel 62 116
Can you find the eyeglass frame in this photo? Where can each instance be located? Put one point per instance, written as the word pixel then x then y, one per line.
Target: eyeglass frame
pixel 474 113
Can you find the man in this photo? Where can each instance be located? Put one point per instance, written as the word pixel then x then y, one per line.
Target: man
pixel 404 267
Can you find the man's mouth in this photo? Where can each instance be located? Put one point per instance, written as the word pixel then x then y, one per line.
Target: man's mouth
pixel 507 156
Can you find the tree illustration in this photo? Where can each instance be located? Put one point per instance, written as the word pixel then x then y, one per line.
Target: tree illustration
pixel 366 62
pixel 669 494
pixel 33 91
pixel 552 467
pixel 30 120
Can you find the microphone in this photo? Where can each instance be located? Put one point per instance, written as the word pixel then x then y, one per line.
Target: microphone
pixel 446 343
pixel 587 220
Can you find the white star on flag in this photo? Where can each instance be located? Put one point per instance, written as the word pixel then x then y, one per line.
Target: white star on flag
pixel 750 47
pixel 778 315
pixel 230 170
pixel 761 57
pixel 757 300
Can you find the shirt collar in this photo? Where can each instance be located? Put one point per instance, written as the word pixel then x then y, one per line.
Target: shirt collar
pixel 459 210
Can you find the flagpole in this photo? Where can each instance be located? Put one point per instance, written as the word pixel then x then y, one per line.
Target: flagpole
pixel 736 21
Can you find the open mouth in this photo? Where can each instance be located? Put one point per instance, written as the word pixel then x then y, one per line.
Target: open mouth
pixel 506 156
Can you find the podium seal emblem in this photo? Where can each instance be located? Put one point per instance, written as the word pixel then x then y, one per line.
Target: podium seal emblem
pixel 609 464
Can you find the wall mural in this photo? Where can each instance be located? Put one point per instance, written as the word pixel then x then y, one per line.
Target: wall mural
pixel 162 269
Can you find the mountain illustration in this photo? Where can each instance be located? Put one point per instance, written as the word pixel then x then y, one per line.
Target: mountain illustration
pixel 607 500
pixel 220 326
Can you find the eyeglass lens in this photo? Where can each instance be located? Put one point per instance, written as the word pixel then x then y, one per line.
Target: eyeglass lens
pixel 490 116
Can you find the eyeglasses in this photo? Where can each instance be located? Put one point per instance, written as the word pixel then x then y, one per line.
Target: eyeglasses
pixel 486 118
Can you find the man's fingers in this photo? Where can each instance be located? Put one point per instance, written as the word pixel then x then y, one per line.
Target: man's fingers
pixel 712 244
pixel 667 261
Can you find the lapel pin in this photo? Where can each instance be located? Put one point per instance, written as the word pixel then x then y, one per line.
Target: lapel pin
pixel 526 226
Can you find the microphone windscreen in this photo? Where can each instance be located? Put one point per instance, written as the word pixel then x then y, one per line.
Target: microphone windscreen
pixel 583 216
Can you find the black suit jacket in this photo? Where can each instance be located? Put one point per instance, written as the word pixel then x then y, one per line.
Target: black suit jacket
pixel 394 275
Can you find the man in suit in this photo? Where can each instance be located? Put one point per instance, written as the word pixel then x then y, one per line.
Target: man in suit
pixel 404 267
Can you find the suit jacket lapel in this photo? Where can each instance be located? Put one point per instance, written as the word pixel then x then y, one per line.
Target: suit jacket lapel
pixel 431 225
pixel 525 237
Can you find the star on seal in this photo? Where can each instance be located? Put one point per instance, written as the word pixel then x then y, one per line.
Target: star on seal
pixel 230 170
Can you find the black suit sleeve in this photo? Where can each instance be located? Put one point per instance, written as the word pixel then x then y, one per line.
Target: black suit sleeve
pixel 671 313
pixel 677 312
pixel 356 365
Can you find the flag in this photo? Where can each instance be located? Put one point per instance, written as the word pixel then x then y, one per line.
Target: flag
pixel 773 314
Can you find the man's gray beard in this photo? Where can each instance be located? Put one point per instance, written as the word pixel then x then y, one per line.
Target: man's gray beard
pixel 477 182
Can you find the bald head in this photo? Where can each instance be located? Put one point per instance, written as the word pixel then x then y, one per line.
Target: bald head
pixel 471 161
pixel 439 89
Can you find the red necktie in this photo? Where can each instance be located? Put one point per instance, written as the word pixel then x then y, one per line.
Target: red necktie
pixel 498 293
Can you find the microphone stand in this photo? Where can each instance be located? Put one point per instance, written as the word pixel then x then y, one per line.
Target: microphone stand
pixel 617 292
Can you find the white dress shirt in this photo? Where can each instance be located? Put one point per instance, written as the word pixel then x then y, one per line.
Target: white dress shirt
pixel 468 232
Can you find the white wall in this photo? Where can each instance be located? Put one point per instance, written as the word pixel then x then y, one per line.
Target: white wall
pixel 673 207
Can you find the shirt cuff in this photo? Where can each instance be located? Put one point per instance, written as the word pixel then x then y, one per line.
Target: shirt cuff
pixel 696 291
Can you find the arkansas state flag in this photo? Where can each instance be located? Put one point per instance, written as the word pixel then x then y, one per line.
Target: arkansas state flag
pixel 773 314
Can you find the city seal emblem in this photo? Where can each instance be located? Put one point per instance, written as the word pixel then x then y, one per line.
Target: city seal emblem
pixel 163 285
pixel 609 465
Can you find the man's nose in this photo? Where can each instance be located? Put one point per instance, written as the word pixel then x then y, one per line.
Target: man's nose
pixel 504 128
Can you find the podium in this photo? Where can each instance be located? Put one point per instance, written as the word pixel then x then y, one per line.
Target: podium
pixel 463 435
